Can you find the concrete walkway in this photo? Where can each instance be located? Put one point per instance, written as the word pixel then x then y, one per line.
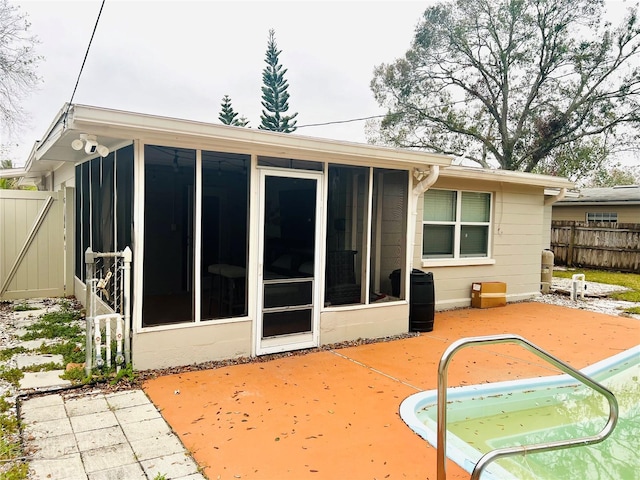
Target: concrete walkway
pixel 101 436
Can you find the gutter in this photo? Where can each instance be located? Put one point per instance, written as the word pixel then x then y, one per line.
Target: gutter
pixel 556 198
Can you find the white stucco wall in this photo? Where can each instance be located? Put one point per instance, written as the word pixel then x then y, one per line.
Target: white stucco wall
pixel 355 322
pixel 189 345
pixel 518 235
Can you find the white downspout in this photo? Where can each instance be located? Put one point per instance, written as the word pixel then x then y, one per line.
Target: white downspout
pixel 556 198
pixel 422 186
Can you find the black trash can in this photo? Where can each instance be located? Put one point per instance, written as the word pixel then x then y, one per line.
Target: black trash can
pixel 421 301
pixel 395 283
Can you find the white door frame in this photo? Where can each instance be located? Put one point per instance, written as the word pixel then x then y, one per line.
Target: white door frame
pixel 293 341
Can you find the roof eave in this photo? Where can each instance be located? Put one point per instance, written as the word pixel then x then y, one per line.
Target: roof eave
pixel 115 123
pixel 508 176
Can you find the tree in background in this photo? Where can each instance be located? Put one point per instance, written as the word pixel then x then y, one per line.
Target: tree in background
pixel 228 116
pixel 514 83
pixel 18 62
pixel 617 175
pixel 275 98
pixel 10 183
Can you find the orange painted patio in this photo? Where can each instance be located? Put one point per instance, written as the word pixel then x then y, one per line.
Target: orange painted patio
pixel 333 414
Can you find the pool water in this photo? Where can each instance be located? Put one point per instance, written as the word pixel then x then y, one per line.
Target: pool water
pixel 481 418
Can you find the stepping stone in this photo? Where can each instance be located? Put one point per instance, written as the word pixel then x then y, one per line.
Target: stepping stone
pixel 34 344
pixel 34 380
pixel 24 361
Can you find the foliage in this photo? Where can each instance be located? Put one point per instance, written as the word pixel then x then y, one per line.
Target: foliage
pixel 512 83
pixel 10 445
pixel 58 324
pixel 228 116
pixel 7 353
pixel 275 98
pixel 18 471
pixel 72 351
pixel 8 183
pixel 11 375
pixel 616 175
pixel 628 280
pixel 43 367
pixel 18 62
pixel 576 161
pixel 126 373
pixel 23 307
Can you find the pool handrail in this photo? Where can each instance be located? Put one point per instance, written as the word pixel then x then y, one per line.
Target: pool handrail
pixel 496 454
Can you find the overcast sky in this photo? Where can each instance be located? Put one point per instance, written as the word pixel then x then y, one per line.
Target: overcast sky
pixel 178 58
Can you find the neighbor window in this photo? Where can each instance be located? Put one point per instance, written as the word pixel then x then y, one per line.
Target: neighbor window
pixel 455 224
pixel 602 217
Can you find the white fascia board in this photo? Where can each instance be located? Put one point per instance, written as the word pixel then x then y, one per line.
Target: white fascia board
pixel 114 123
pixel 506 176
pixel 556 191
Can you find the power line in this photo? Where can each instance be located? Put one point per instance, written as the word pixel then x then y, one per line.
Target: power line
pixel 341 121
pixel 85 58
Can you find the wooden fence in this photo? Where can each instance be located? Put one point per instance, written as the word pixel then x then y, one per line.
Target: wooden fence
pixel 597 245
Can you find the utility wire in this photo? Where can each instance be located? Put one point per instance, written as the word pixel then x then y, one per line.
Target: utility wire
pixel 85 58
pixel 341 121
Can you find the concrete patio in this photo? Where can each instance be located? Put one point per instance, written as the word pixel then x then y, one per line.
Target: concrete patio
pixel 334 413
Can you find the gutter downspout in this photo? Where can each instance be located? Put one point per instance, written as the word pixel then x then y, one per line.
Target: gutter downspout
pixel 423 185
pixel 556 198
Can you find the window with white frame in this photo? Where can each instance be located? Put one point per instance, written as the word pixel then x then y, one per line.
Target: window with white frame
pixel 456 224
pixel 602 217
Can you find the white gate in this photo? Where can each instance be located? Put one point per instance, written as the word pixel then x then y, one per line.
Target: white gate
pixel 35 258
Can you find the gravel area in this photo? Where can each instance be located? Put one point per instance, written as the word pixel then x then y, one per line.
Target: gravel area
pixel 595 299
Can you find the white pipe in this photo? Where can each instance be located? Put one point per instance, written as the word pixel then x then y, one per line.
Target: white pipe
pixel 424 184
pixel 418 190
pixel 556 198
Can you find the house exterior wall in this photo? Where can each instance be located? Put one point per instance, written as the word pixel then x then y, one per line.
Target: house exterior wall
pixel 64 176
pixel 546 230
pixel 363 322
pixel 191 344
pixel 517 237
pixel 578 213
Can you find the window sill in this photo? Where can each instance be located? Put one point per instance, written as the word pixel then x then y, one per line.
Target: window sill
pixel 456 262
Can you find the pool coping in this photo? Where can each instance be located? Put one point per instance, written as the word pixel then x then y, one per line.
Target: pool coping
pixel 460 451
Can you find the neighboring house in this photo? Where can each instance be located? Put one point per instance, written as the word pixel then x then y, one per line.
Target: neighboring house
pixel 619 204
pixel 248 242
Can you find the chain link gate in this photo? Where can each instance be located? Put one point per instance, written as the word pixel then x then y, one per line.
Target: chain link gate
pixel 108 290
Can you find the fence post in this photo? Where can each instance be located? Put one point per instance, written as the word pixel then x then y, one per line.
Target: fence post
pixel 572 240
pixel 126 272
pixel 89 261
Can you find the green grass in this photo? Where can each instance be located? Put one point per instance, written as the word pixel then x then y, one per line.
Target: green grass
pixel 24 307
pixel 11 375
pixel 59 324
pixel 70 350
pixel 18 471
pixel 628 280
pixel 7 353
pixel 43 367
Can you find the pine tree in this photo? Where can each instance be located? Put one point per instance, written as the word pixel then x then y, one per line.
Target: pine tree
pixel 274 92
pixel 228 116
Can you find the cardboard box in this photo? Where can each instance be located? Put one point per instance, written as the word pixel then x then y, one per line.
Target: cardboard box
pixel 488 294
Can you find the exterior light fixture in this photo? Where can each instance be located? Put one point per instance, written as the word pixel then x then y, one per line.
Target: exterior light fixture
pixel 90 144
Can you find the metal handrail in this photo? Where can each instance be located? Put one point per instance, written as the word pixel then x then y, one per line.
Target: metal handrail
pixel 522 449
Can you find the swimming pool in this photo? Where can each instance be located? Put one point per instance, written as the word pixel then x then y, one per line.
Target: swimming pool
pixel 481 418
